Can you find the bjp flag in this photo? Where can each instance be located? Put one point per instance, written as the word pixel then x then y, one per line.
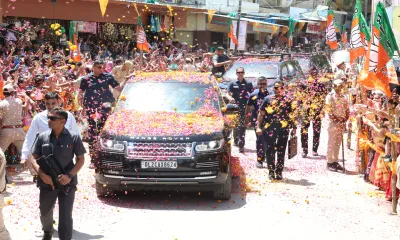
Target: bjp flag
pixel 381 49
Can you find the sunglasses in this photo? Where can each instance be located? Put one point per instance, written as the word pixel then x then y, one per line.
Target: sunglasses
pixel 99 67
pixel 240 72
pixel 262 84
pixel 53 118
pixel 277 88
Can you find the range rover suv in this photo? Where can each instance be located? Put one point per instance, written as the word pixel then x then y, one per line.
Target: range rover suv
pixel 273 68
pixel 168 131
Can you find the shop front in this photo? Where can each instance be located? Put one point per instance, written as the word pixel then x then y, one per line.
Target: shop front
pixel 218 28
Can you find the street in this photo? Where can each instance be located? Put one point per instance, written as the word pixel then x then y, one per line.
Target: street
pixel 311 203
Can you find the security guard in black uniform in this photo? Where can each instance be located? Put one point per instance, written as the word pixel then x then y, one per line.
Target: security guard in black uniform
pixel 313 102
pixel 274 122
pixel 59 146
pixel 252 110
pixel 238 92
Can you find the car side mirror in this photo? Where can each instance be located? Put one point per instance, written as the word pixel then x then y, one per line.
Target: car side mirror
pixel 218 75
pixel 232 108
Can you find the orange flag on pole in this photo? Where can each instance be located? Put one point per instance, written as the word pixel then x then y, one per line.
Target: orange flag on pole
pixel 331 39
pixel 381 49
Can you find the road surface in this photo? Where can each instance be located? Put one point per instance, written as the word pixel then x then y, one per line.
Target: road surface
pixel 310 203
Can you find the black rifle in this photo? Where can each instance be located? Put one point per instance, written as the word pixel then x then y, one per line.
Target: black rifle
pixel 45 163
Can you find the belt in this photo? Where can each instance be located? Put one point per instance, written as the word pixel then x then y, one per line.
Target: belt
pixel 12 126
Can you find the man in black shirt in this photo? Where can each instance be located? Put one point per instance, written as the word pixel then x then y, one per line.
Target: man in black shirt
pixel 219 61
pixel 59 146
pixel 238 92
pixel 254 102
pixel 274 122
pixel 98 98
pixel 313 102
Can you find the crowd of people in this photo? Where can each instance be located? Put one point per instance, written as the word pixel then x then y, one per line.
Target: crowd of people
pixel 367 114
pixel 48 100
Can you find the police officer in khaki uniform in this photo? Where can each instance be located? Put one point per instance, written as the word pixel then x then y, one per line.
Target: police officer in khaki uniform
pixel 337 107
pixel 4 235
pixel 11 128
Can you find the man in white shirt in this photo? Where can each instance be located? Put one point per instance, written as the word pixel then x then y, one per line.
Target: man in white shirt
pixel 40 124
pixel 189 67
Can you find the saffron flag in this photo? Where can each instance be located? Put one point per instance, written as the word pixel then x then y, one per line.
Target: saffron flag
pixel 344 35
pixel 360 34
pixel 141 41
pixel 381 49
pixel 231 34
pixel 331 29
pixel 75 51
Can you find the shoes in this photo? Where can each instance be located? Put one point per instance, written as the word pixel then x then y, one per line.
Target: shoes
pixel 241 149
pixel 47 236
pixel 338 167
pixel 271 175
pixel 331 167
pixel 235 143
pixel 304 155
pixel 334 166
pixel 259 164
pixel 387 158
pixel 315 154
pixel 278 175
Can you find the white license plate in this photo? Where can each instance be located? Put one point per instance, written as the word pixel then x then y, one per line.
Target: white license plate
pixel 159 164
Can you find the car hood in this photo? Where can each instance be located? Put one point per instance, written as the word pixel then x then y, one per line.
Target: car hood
pixel 130 123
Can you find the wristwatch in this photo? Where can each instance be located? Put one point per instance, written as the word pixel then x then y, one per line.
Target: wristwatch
pixel 70 175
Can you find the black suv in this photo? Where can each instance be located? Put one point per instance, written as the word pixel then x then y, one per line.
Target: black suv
pixel 273 68
pixel 168 131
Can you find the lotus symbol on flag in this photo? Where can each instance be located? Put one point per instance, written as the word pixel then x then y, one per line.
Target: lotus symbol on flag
pixel 373 57
pixel 355 39
pixel 331 32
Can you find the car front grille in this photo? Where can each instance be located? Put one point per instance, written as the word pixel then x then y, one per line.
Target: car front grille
pixel 158 149
pixel 110 164
pixel 213 164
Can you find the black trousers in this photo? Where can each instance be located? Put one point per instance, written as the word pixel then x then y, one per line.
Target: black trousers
pixel 239 133
pixel 276 139
pixel 95 125
pixel 316 134
pixel 260 146
pixel 47 200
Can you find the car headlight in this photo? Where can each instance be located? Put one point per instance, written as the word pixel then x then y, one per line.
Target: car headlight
pixel 209 146
pixel 112 145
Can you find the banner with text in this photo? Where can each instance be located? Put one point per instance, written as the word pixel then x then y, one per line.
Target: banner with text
pixel 313 28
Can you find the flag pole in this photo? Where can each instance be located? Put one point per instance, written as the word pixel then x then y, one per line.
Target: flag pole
pixel 141 60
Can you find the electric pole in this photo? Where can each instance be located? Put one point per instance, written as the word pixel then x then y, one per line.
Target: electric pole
pixel 238 24
pixel 366 9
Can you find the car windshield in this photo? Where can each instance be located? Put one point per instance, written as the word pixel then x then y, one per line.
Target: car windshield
pixel 304 64
pixel 320 60
pixel 167 97
pixel 254 70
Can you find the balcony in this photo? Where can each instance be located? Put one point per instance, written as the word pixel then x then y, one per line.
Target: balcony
pixel 189 3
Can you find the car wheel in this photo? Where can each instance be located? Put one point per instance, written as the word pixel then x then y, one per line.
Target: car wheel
pixel 101 190
pixel 225 192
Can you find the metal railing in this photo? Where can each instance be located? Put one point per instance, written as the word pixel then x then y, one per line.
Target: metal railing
pixel 174 2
